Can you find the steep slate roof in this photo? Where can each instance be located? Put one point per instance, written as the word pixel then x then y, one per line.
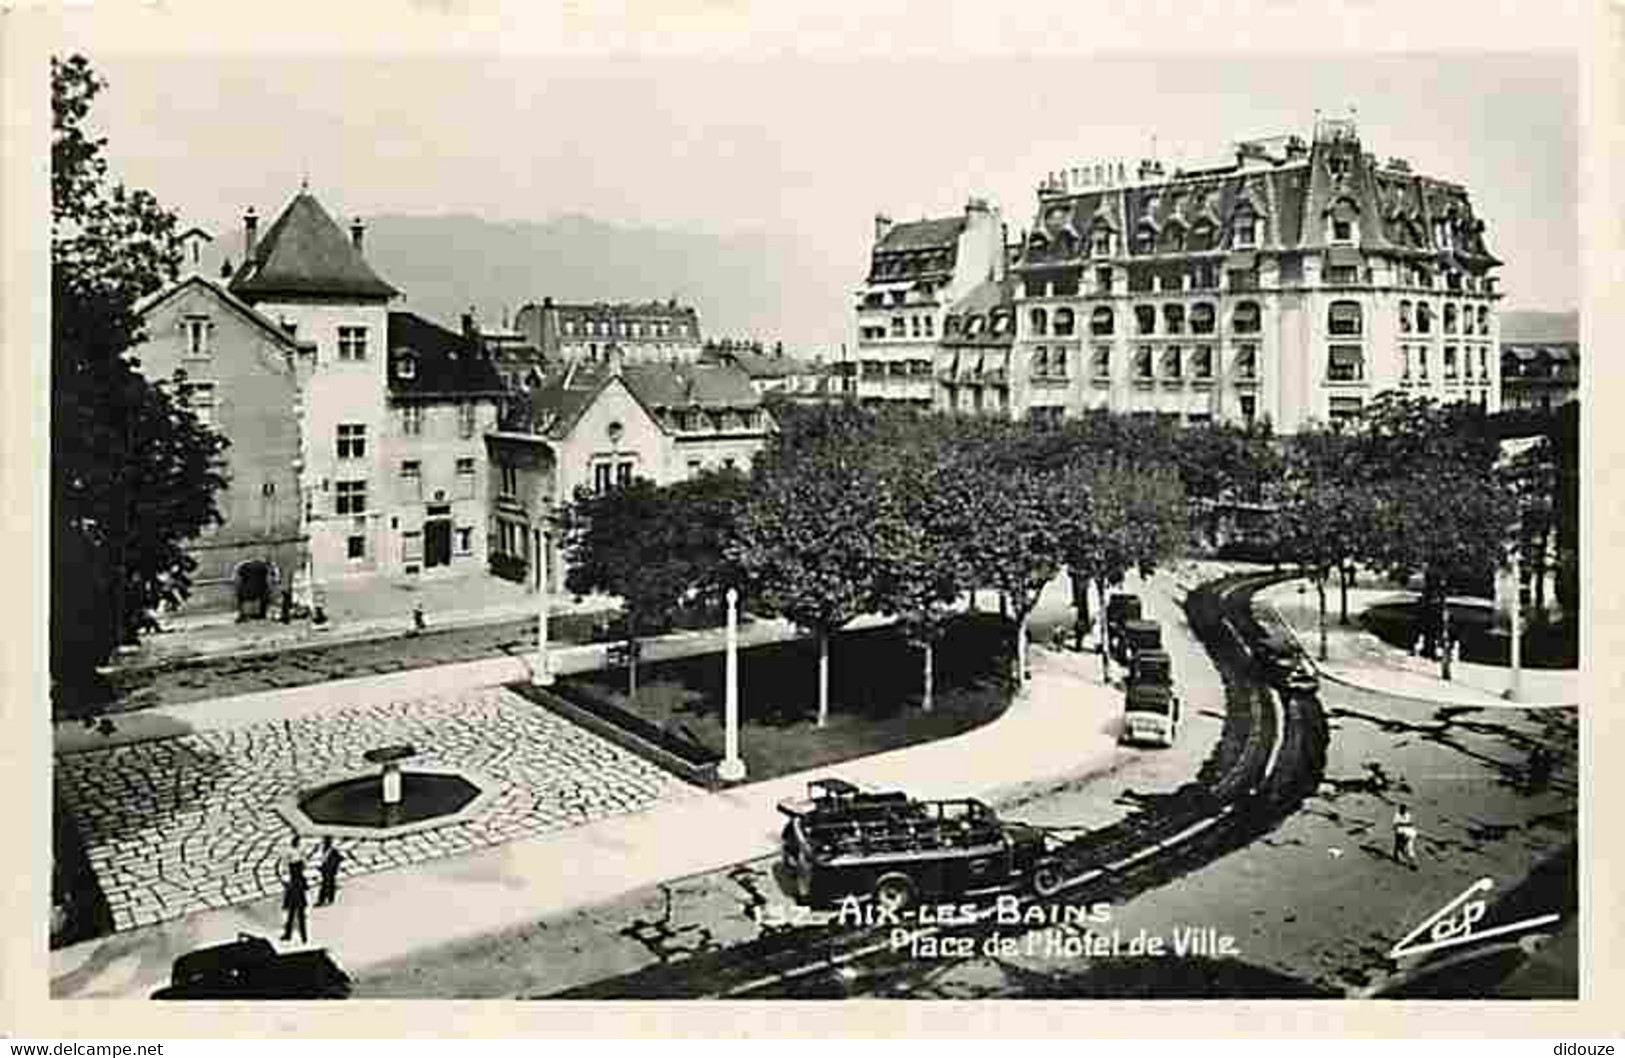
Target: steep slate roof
pixel 763 365
pixel 448 364
pixel 559 403
pixel 1291 195
pixel 920 249
pixel 305 252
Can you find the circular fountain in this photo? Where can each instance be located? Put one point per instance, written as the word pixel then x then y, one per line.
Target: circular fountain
pixel 388 802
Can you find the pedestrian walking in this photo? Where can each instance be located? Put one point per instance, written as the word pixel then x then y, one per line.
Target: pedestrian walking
pixel 418 623
pixel 295 893
pixel 1404 836
pixel 328 869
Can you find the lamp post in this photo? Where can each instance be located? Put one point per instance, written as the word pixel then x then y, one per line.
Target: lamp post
pixel 541 674
pixel 732 768
pixel 1514 685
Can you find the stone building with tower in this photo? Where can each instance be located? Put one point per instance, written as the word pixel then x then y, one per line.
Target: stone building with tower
pixel 356 432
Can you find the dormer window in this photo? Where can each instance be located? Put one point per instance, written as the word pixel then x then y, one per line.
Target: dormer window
pixel 406 365
pixel 1101 243
pixel 1244 231
pixel 1342 231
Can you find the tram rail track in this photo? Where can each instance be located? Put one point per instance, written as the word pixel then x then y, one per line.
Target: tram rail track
pixel 1270 756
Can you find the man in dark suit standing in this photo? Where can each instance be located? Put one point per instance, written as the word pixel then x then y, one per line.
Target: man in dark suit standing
pixel 295 892
pixel 328 868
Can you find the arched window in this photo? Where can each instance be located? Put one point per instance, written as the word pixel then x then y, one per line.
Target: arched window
pixel 1145 239
pixel 1424 318
pixel 1100 241
pixel 973 326
pixel 1343 319
pixel 1404 317
pixel 1201 237
pixel 1173 238
pixel 1038 321
pixel 1064 323
pixel 1449 319
pixel 1483 320
pixel 1040 362
pixel 1247 318
pixel 1146 318
pixel 1202 318
pixel 1173 317
pixel 1101 322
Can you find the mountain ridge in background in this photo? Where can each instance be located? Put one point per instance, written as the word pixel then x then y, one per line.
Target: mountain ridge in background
pixel 767 286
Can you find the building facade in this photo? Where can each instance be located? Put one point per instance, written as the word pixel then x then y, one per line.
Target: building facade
pixel 240 374
pixel 1293 284
pixel 390 407
pixel 599 424
pixel 918 269
pixel 653 331
pixel 1290 283
pixel 1539 376
pixel 974 361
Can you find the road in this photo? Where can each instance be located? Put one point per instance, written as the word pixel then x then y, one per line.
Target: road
pixel 1312 906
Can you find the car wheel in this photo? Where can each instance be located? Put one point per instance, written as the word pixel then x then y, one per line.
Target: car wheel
pixel 893 892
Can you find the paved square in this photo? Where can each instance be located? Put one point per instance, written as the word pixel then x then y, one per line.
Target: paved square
pixel 188 823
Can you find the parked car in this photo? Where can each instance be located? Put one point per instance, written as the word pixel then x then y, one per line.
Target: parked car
pixel 1120 608
pixel 250 967
pixel 1151 714
pixel 1284 664
pixel 1138 636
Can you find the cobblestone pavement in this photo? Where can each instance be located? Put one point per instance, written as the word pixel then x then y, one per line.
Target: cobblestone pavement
pixel 184 824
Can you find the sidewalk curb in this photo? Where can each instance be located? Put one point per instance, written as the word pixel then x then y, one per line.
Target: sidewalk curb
pixel 1345 681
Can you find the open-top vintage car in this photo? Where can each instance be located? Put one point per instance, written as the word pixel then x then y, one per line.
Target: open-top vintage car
pixel 843 841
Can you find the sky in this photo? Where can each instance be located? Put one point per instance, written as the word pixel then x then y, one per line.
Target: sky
pixel 817 139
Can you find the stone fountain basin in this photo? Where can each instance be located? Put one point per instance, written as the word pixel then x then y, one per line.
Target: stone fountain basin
pixel 350 805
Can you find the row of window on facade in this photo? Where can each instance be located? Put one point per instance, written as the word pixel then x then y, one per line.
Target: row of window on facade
pixel 1454 363
pixel 630 328
pixel 1420 321
pixel 1204 275
pixel 412 551
pixel 351 495
pixel 906 264
pixel 352 436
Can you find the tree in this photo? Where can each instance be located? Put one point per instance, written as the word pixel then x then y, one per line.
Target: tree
pixel 924 573
pixel 626 542
pixel 1449 527
pixel 1011 524
pixel 809 536
pixel 133 474
pixel 1321 527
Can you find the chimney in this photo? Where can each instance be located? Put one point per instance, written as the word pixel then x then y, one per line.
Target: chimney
pixel 356 230
pixel 251 228
pixel 882 227
pixel 547 302
pixel 226 269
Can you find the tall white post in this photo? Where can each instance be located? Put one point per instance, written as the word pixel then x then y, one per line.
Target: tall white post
pixel 1514 688
pixel 541 673
pixel 732 768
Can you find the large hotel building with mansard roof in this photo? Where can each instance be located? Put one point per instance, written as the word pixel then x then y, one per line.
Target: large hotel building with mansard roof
pixel 1292 283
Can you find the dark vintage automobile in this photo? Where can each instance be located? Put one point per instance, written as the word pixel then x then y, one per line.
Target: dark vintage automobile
pixel 842 841
pixel 251 968
pixel 1120 609
pixel 1137 636
pixel 1284 664
pixel 1153 667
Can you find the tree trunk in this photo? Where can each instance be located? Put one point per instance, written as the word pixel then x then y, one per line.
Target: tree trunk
pixel 632 670
pixel 1320 590
pixel 1004 605
pixel 1345 574
pixel 1537 569
pixel 823 678
pixel 1444 634
pixel 925 700
pixel 1021 651
pixel 1080 603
